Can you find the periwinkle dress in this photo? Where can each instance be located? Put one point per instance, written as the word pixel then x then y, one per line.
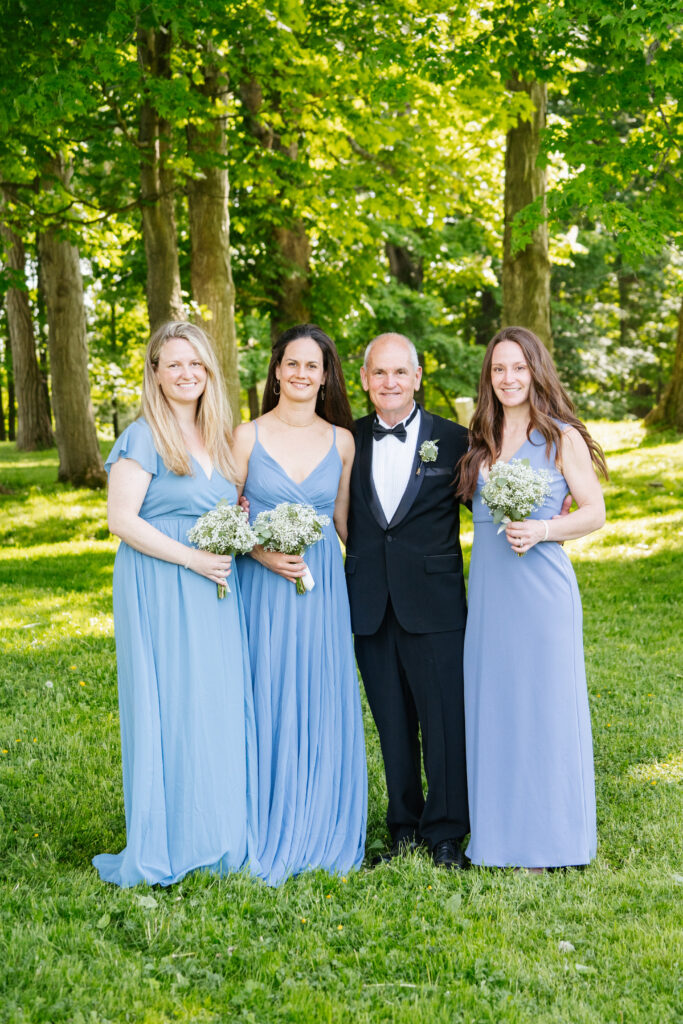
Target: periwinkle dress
pixel 529 749
pixel 184 692
pixel 312 780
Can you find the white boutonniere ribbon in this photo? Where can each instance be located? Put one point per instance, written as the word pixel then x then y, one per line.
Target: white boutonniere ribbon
pixel 428 452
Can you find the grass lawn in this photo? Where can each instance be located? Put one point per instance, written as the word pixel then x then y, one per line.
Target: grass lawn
pixel 404 942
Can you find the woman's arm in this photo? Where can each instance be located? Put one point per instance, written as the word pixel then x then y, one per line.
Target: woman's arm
pixel 128 483
pixel 347 450
pixel 584 485
pixel 243 441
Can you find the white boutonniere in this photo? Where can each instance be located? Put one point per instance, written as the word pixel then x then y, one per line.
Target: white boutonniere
pixel 428 452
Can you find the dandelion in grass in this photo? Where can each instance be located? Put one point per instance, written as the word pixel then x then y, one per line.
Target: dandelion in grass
pixel 291 528
pixel 514 490
pixel 224 530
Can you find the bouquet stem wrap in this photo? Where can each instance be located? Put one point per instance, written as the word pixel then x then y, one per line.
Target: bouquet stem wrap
pixel 305 583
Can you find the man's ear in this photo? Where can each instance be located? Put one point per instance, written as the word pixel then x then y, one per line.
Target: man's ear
pixel 364 379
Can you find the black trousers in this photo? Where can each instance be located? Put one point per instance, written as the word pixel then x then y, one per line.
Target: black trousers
pixel 414 683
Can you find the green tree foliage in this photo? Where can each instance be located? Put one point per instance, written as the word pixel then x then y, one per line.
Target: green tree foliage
pixel 353 129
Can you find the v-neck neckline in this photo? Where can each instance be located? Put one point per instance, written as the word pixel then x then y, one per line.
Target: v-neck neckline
pixel 513 456
pixel 209 477
pixel 297 483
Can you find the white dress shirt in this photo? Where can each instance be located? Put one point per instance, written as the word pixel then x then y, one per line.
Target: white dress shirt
pixel 392 464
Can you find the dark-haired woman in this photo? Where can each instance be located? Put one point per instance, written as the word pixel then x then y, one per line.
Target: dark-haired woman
pixel 529 749
pixel 312 785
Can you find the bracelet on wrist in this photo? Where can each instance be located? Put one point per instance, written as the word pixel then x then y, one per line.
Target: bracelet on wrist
pixel 545 526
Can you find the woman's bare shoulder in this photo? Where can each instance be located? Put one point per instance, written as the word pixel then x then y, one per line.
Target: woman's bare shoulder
pixel 244 436
pixel 345 442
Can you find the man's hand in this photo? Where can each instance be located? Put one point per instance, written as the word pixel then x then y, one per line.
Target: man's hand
pixel 566 505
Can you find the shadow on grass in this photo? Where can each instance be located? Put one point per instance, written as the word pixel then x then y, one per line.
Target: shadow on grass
pixel 20 471
pixel 55 529
pixel 78 571
pixel 658 435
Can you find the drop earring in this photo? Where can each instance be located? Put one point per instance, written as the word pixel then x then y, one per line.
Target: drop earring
pixel 322 392
pixel 276 387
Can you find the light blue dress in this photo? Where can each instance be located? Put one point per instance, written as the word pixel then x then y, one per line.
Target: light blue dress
pixel 312 781
pixel 184 695
pixel 529 749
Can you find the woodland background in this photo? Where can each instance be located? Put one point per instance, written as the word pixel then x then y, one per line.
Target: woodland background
pixel 436 169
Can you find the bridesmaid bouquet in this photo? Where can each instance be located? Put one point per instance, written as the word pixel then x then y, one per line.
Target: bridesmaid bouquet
pixel 514 490
pixel 225 530
pixel 290 529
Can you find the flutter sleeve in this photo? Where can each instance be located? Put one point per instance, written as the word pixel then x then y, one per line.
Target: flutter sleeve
pixel 136 443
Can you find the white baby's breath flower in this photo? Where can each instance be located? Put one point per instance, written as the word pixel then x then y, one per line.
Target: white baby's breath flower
pixel 225 530
pixel 514 490
pixel 290 528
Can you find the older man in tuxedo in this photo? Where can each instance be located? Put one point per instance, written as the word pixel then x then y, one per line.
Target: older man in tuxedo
pixel 405 581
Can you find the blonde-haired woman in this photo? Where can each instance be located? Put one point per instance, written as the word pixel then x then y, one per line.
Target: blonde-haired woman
pixel 184 691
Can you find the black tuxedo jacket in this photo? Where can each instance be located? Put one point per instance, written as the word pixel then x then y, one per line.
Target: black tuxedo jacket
pixel 416 558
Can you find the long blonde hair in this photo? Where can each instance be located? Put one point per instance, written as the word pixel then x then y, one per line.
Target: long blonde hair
pixel 213 418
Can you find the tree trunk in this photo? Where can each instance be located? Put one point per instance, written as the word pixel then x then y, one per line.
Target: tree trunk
pixel 34 430
pixel 526 275
pixel 293 287
pixel 669 411
pixel 486 321
pixel 80 462
pixel 3 429
pixel 291 250
pixel 157 189
pixel 252 398
pixel 405 267
pixel 41 325
pixel 11 407
pixel 210 266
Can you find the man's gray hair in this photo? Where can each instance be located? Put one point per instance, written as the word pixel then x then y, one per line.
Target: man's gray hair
pixel 414 360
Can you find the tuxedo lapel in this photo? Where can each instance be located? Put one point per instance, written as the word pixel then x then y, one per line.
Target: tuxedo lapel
pixel 365 466
pixel 415 481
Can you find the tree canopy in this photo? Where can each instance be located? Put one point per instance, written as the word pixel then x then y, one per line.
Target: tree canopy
pixel 253 164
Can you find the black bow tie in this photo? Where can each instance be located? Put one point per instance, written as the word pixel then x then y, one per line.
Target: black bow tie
pixel 399 431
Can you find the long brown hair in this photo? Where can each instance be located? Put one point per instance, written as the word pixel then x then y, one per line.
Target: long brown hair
pixel 334 406
pixel 213 419
pixel 548 404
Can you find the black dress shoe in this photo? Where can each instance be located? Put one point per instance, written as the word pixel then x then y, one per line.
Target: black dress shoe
pixel 448 854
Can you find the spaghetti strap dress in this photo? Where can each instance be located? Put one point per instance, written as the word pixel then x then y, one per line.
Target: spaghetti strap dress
pixel 185 701
pixel 528 731
pixel 312 784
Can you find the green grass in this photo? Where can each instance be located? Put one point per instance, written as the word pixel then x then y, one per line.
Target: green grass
pixel 401 943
